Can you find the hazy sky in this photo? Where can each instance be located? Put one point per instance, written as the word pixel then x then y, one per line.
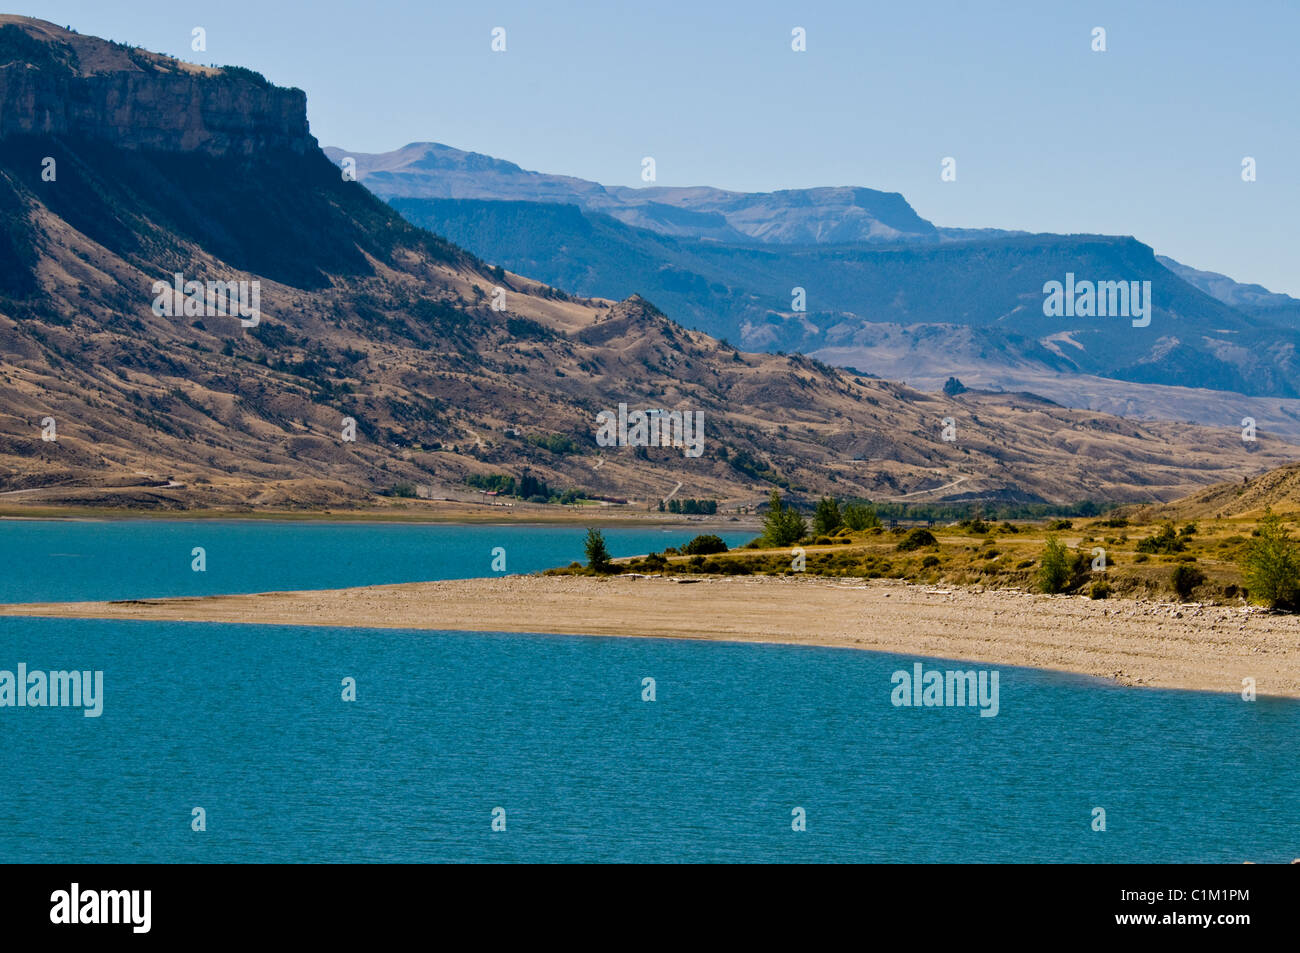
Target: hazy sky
pixel 1145 139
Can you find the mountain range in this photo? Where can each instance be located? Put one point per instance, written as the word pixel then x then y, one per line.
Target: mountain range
pixel 125 173
pixel 884 290
pixel 795 216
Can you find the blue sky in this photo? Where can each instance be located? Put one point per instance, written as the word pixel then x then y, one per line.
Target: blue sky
pixel 1145 139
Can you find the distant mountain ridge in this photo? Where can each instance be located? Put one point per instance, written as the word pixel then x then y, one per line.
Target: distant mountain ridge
pixel 825 215
pixel 793 216
pixel 1248 298
pixel 909 300
pixel 970 304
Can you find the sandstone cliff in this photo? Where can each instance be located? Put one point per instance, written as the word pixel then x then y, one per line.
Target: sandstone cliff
pixel 56 82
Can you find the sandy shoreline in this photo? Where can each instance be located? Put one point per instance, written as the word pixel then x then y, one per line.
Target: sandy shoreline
pixel 1210 648
pixel 427 512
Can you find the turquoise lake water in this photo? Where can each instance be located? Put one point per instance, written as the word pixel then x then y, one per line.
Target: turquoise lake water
pixel 63 561
pixel 248 723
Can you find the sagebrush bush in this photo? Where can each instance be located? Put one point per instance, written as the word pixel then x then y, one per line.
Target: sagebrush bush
pixel 917 539
pixel 1186 578
pixel 704 545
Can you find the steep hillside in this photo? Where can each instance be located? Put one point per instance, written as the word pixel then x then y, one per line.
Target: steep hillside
pixel 1277 489
pixel 975 305
pixel 363 316
pixel 1278 309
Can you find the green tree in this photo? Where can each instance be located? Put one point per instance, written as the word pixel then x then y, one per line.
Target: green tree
pixel 597 552
pixel 783 525
pixel 858 516
pixel 827 519
pixel 1054 572
pixel 1271 564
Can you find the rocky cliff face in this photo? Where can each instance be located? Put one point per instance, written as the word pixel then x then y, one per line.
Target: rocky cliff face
pixel 57 83
pixel 368 319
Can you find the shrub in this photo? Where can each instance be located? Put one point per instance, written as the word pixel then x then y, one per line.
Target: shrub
pixel 1058 525
pixel 405 490
pixel 555 442
pixel 917 539
pixel 1054 573
pixel 1100 590
pixel 735 567
pixel 654 563
pixel 251 76
pixel 1167 541
pixel 1114 522
pixel 1271 564
pixel 597 552
pixel 929 561
pixel 704 545
pixel 1186 578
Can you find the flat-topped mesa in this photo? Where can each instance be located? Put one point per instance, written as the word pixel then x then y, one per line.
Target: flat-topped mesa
pixel 54 82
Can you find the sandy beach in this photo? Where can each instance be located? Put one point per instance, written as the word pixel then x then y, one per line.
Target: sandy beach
pixel 1152 644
